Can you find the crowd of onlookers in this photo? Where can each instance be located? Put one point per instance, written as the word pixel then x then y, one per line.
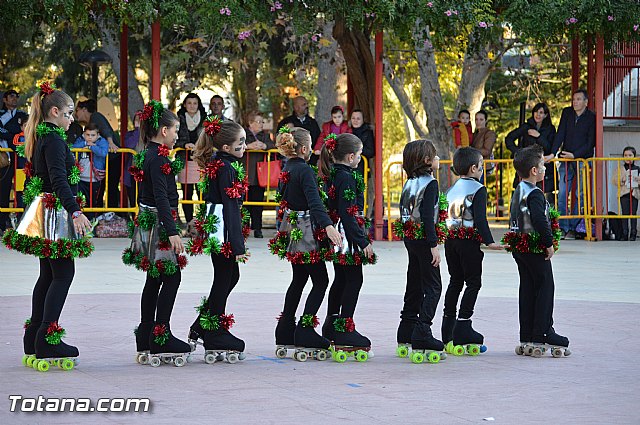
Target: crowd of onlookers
pixel 573 138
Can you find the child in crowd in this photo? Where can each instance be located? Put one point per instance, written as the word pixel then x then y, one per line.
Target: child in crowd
pixel 337 125
pixel 222 226
pixel 629 194
pixel 462 131
pixel 345 189
pixel 302 241
pixel 467 228
pixel 156 246
pixel 92 165
pixel 420 218
pixel 532 240
pixel 18 140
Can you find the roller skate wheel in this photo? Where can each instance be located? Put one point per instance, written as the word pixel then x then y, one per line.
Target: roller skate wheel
pixel 448 347
pixel 34 364
pixel 361 356
pixel 281 353
pixel 483 348
pixel 143 359
pixel 567 352
pixel 458 350
pixel 302 356
pixel 28 362
pixel 340 356
pixel 519 350
pixel 321 355
pixel 155 361
pixel 443 355
pixel 24 360
pixel 242 356
pixel 232 358
pixel 179 361
pixel 220 357
pixel 66 364
pixel 189 358
pixel 417 357
pixel 473 350
pixel 556 352
pixel 43 366
pixel 166 360
pixel 209 358
pixel 528 350
pixel 433 357
pixel 402 351
pixel 537 352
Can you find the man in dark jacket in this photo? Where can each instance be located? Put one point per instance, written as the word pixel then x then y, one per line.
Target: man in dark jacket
pixel 10 121
pixel 576 138
pixel 301 118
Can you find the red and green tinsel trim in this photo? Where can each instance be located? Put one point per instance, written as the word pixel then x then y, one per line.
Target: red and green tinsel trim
pixel 161 334
pixel 213 322
pixel 203 306
pixel 163 150
pixel 43 129
pixel 141 262
pixel 331 141
pixel 152 112
pixel 27 323
pixel 355 259
pixel 531 243
pixel 413 231
pixel 342 324
pixel 462 232
pixel 309 321
pixel 54 334
pixel 278 246
pixel 284 177
pixel 47 248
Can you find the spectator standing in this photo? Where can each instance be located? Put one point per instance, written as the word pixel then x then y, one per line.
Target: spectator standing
pixel 462 132
pixel 628 182
pixel 92 165
pixel 131 140
pixel 301 118
pixel 11 119
pixel 87 112
pixel 192 114
pixel 257 139
pixel 576 138
pixel 364 132
pixel 537 130
pixel 483 140
pixel 216 107
pixel 337 125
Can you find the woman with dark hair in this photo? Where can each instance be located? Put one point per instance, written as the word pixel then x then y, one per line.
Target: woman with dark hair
pixel 192 114
pixel 484 140
pixel 537 130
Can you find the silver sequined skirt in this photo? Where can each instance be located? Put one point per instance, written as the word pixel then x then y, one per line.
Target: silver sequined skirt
pixel 148 242
pixel 52 224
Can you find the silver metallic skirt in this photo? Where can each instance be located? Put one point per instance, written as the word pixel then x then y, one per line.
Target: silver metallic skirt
pixel 308 242
pixel 38 221
pixel 147 242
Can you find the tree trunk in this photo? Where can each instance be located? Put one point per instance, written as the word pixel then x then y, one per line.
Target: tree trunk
pixel 430 93
pixel 475 72
pixel 397 84
pixel 326 91
pixel 111 46
pixel 250 101
pixel 355 46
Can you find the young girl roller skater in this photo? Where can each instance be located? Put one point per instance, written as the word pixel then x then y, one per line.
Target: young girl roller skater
pixel 339 159
pixel 50 196
pixel 156 246
pixel 222 228
pixel 302 241
pixel 421 226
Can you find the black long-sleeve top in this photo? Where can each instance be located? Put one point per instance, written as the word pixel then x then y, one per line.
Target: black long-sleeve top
pixel 301 191
pixel 537 208
pixel 479 210
pixel 343 181
pixel 546 138
pixel 576 134
pixel 427 211
pixel 231 207
pixel 365 134
pixel 158 189
pixel 52 162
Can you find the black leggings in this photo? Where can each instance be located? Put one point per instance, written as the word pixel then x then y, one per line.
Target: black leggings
pixel 535 296
pixel 51 289
pixel 301 274
pixel 345 289
pixel 464 261
pixel 226 275
pixel 158 297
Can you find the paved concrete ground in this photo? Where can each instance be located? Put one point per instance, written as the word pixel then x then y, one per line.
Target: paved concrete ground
pixel 597 308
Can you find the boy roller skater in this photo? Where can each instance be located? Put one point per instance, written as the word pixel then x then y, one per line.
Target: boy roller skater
pixel 532 240
pixel 467 228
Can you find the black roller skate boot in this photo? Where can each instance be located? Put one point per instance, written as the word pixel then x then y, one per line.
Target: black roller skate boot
pixel 196 330
pixel 164 347
pixel 424 346
pixel 446 331
pixel 328 330
pixel 403 336
pixel 557 344
pixel 349 342
pixel 142 332
pixel 466 339
pixel 51 350
pixel 219 343
pixel 285 340
pixel 29 342
pixel 308 343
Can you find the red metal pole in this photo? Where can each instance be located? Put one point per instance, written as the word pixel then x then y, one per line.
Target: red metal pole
pixel 591 72
pixel 155 60
pixel 124 81
pixel 378 137
pixel 598 109
pixel 575 64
